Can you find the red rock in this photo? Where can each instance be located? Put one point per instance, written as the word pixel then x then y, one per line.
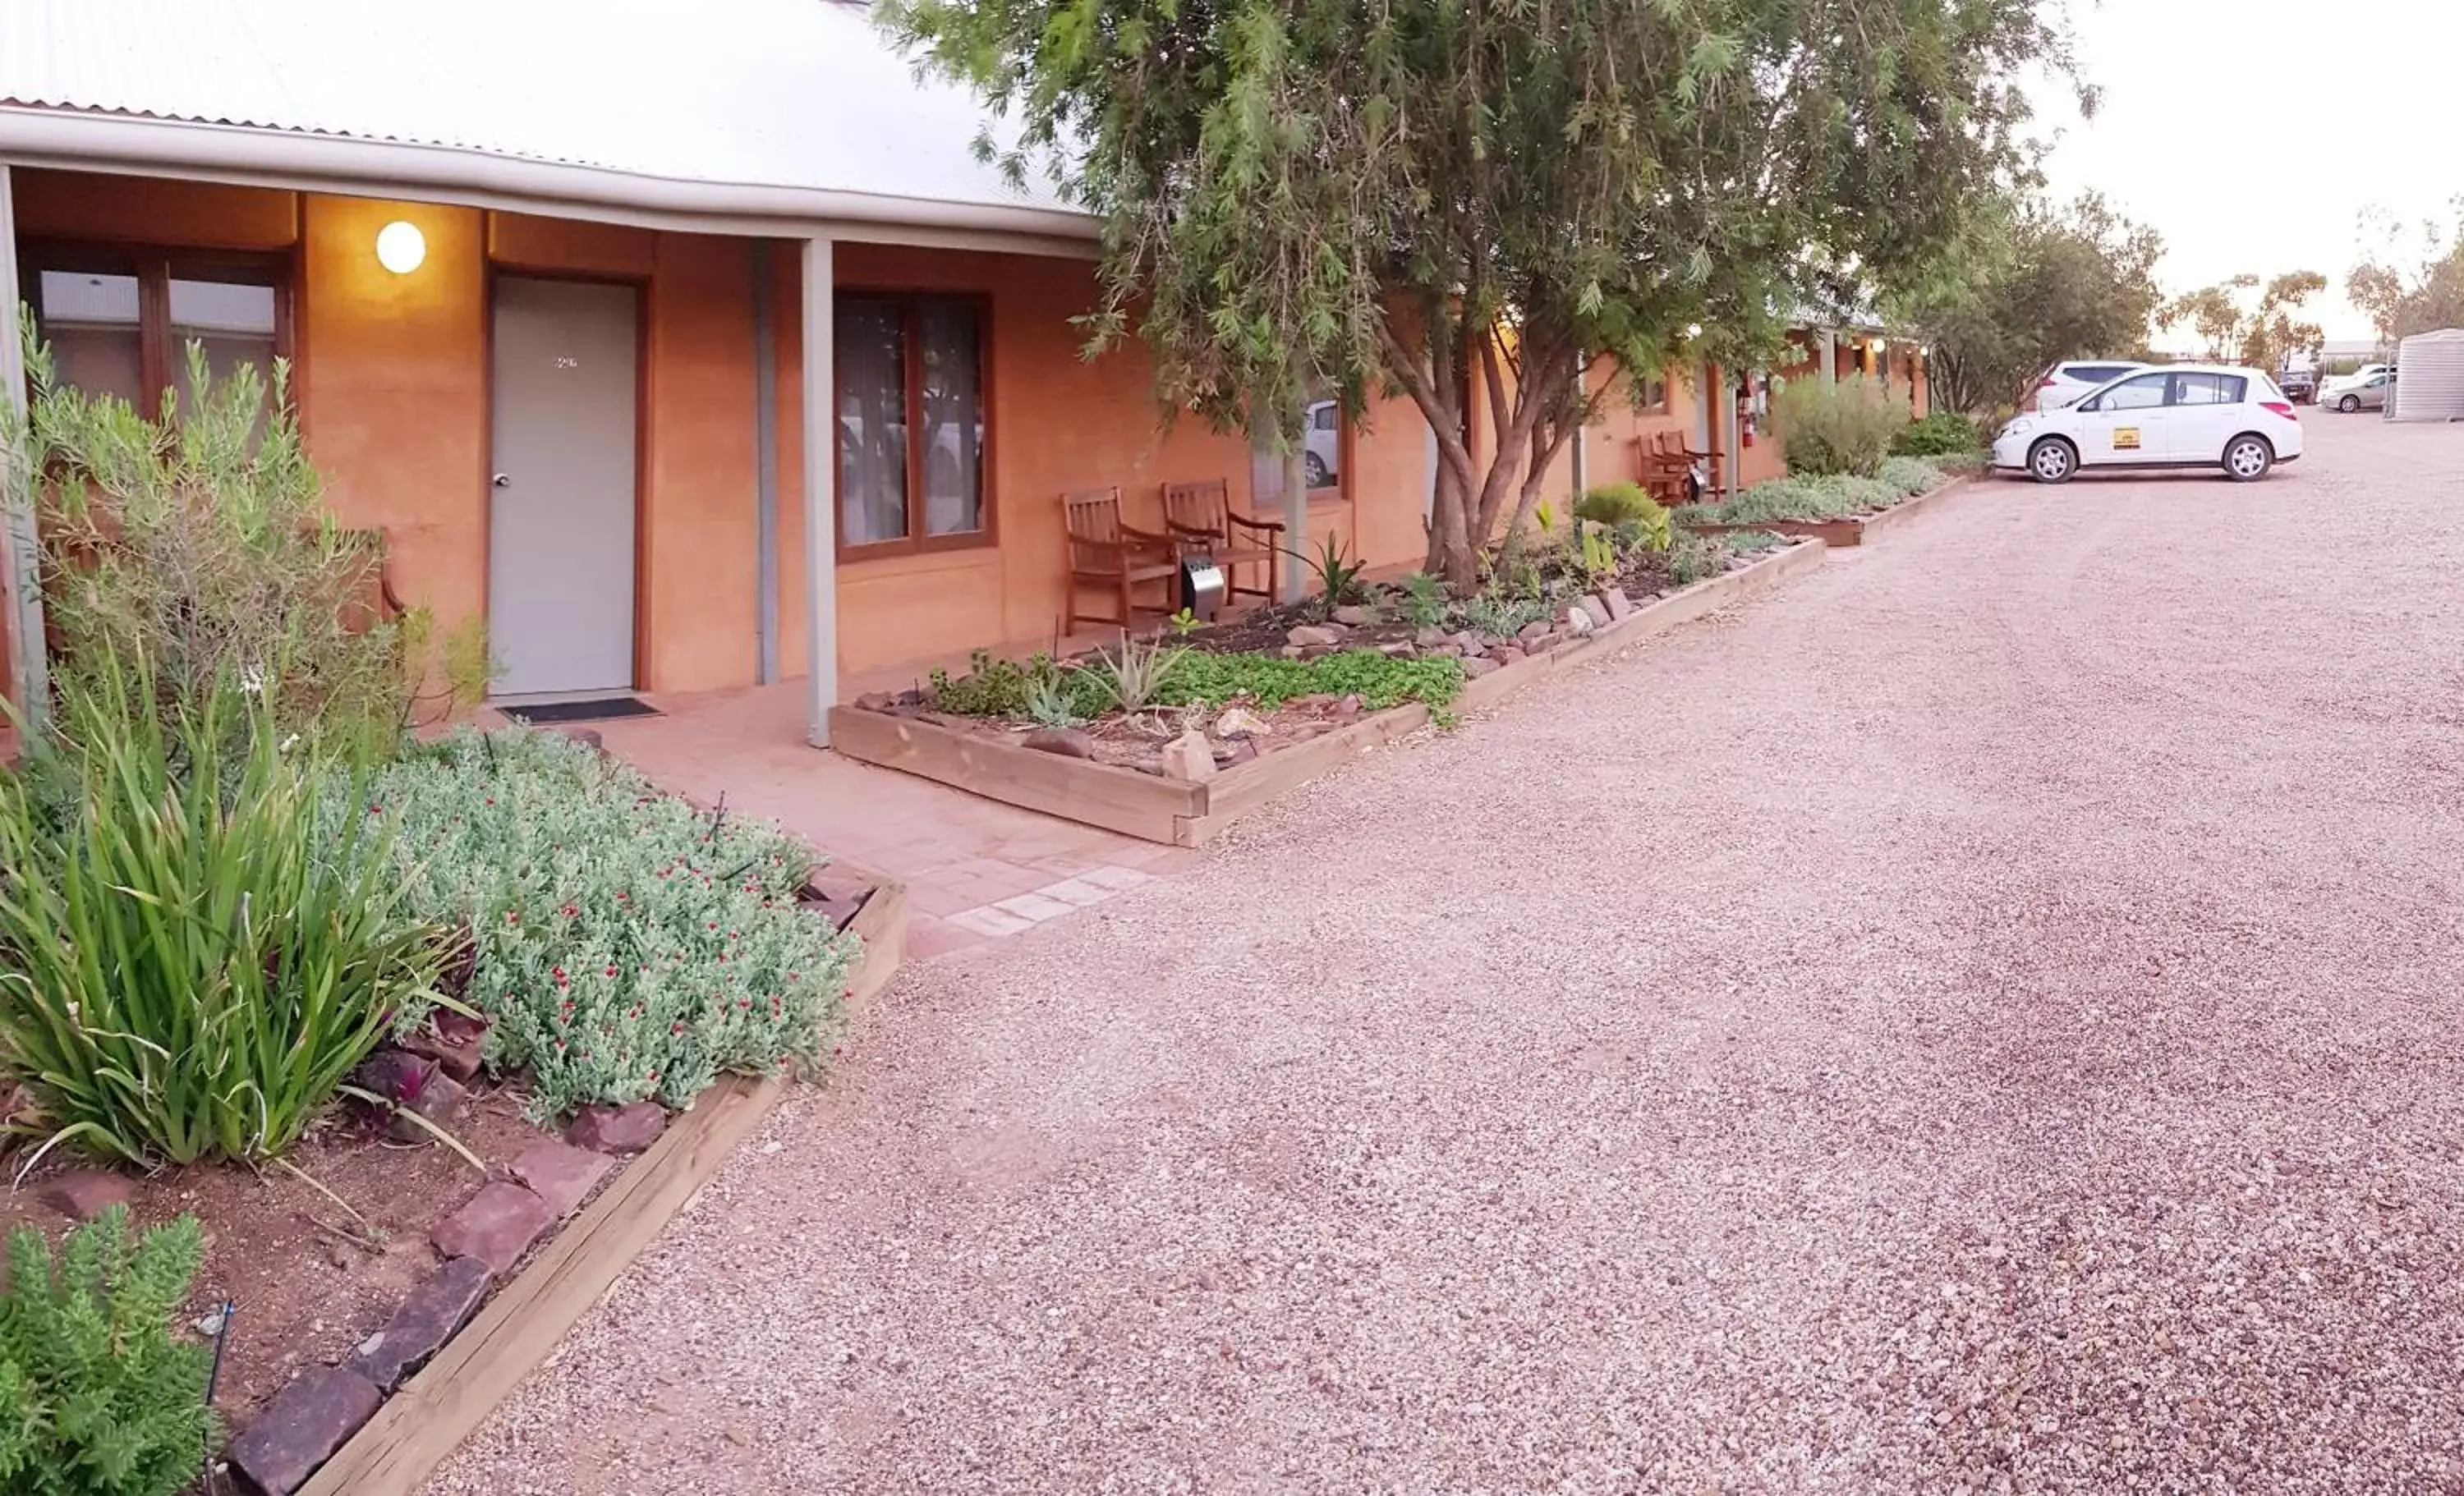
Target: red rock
pixel 617 1129
pixel 497 1226
pixel 1066 742
pixel 455 1053
pixel 561 1174
pixel 302 1427
pixel 1619 605
pixel 1349 707
pixel 1505 654
pixel 437 1101
pixel 84 1194
pixel 875 701
pixel 433 1313
pixel 1477 666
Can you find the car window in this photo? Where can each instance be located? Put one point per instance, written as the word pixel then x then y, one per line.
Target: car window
pixel 2099 373
pixel 2377 380
pixel 2145 393
pixel 2209 390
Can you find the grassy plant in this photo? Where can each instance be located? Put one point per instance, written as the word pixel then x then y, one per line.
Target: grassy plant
pixel 198 540
pixel 628 945
pixel 1827 427
pixel 1134 676
pixel 1421 599
pixel 96 1396
pixel 187 969
pixel 1941 434
pixel 1338 573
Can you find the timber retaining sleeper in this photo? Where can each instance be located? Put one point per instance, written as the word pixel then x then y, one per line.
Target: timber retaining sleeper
pixel 1181 814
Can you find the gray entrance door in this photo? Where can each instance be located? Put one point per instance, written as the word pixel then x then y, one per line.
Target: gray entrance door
pixel 561 497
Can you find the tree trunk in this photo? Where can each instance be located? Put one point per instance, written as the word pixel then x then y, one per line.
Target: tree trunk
pixel 1296 523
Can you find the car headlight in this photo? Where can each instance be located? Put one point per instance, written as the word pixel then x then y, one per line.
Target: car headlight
pixel 2018 426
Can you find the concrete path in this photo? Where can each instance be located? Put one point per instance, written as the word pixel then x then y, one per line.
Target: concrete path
pixel 1987 1017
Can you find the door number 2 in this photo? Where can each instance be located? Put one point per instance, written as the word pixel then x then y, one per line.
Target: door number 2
pixel 567 361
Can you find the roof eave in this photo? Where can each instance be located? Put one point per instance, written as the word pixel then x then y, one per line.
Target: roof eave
pixel 144 144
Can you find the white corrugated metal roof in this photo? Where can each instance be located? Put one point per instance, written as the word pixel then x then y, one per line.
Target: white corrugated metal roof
pixel 793 94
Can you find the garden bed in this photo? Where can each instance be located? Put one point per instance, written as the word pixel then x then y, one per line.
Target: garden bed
pixel 339 1278
pixel 1845 530
pixel 1307 737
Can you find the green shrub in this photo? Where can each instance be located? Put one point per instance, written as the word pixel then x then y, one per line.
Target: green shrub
pixel 626 945
pixel 1940 435
pixel 1421 599
pixel 201 544
pixel 1910 476
pixel 1826 427
pixel 1379 680
pixel 97 1398
pixel 1501 614
pixel 1616 503
pixel 187 968
pixel 1695 557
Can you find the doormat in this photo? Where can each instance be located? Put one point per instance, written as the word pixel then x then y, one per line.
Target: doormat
pixel 598 709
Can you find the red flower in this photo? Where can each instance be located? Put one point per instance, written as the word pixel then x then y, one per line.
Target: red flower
pixel 676 1028
pixel 511 917
pixel 570 910
pixel 611 971
pixel 376 810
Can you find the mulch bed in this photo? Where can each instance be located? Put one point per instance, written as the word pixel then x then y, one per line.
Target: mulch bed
pixel 307 1281
pixel 1243 731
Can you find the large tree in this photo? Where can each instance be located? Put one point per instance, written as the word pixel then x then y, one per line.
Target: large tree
pixel 2412 281
pixel 2265 336
pixel 2026 286
pixel 1472 201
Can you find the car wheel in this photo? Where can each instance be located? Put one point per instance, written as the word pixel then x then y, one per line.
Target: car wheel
pixel 2247 458
pixel 2349 404
pixel 2052 460
pixel 1313 469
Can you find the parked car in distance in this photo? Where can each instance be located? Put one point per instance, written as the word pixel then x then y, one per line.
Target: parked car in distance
pixel 2299 385
pixel 2072 378
pixel 2339 384
pixel 2371 395
pixel 2186 415
pixel 1322 444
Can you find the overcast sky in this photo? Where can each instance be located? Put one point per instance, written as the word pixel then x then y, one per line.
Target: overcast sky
pixel 2236 128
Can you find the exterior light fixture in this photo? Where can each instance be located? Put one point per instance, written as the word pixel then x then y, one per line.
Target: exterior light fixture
pixel 401 247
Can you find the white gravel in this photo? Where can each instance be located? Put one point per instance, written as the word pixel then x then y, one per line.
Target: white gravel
pixel 1984 1019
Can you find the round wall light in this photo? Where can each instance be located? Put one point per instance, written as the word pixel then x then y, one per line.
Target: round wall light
pixel 401 247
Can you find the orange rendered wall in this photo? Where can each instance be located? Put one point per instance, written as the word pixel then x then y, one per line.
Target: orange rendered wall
pixel 393 398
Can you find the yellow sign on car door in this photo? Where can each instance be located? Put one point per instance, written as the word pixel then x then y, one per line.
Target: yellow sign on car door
pixel 2125 438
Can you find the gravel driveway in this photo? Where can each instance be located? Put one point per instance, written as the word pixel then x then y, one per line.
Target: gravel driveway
pixel 1986 1018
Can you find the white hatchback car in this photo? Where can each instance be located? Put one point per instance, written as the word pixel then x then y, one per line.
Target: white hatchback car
pixel 2188 415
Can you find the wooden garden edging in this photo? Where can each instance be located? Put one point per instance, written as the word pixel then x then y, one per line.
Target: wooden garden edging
pixel 1848 529
pixel 1181 814
pixel 428 1418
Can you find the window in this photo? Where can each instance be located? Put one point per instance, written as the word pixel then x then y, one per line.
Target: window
pixel 1322 450
pixel 2146 392
pixel 120 322
pixel 913 422
pixel 2098 373
pixel 2209 390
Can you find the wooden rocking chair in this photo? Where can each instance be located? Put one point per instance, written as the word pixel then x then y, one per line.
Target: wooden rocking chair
pixel 1200 518
pixel 1110 557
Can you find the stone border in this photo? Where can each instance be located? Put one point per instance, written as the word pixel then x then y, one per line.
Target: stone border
pixel 1181 814
pixel 400 1441
pixel 1848 530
